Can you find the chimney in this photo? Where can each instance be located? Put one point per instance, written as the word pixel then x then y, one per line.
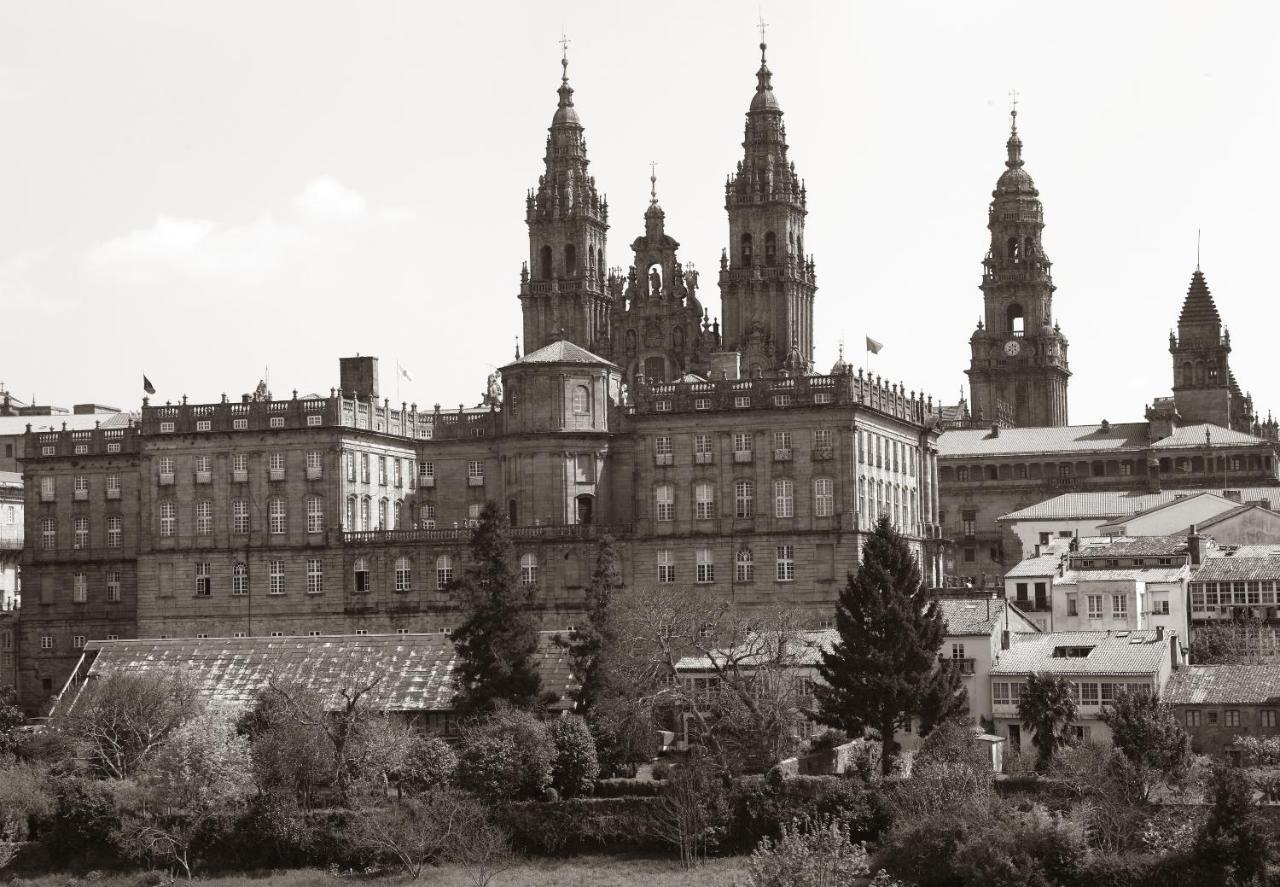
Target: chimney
pixel 1159 634
pixel 995 430
pixel 1004 639
pixel 1037 550
pixel 1106 426
pixel 1193 546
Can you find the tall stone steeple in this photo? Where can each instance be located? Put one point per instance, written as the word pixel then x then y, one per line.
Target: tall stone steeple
pixel 1018 373
pixel 767 283
pixel 563 285
pixel 1204 388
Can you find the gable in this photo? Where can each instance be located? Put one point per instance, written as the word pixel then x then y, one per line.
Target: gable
pixel 1251 525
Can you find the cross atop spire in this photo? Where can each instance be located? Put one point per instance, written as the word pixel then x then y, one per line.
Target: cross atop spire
pixel 653 183
pixel 763 26
pixel 1013 110
pixel 564 55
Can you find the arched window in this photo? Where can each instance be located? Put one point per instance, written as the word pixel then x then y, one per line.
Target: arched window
pixel 1014 319
pixel 744 566
pixel 444 572
pixel 404 574
pixel 240 578
pixel 1188 375
pixel 800 248
pixel 1212 373
pixel 365 508
pixel 528 569
pixel 1013 248
pixel 746 249
pixel 395 506
pixel 570 260
pixel 351 514
pixel 1028 248
pixel 770 248
pixel 600 264
pixel 544 263
pixel 582 400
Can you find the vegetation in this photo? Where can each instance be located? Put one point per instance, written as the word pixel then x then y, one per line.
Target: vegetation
pixel 1147 732
pixel 498 639
pixel 1047 708
pixel 808 854
pixel 883 672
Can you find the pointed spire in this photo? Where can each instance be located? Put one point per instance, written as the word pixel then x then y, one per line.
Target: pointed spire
pixel 1014 145
pixel 764 99
pixel 565 113
pixel 1198 308
pixel 653 184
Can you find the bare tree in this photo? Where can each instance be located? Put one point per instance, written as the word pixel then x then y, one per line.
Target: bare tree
pixel 421 831
pixel 119 720
pixel 692 809
pixel 742 688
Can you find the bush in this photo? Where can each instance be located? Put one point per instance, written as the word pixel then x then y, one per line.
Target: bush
pixel 807 854
pixel 662 770
pixel 581 825
pixel 430 763
pixel 84 823
pixel 824 741
pixel 576 766
pixel 507 756
pixel 625 788
pixel 761 807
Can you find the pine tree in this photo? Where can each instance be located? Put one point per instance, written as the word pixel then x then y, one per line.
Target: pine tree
pixel 588 645
pixel 498 642
pixel 884 668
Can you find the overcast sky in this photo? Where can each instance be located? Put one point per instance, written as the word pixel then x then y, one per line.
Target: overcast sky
pixel 199 191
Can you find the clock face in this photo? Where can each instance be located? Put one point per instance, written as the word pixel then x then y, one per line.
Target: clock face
pixel 1013 348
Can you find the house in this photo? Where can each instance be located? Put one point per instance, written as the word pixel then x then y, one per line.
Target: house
pixel 1169 518
pixel 415 673
pixel 1240 587
pixel 1099 665
pixel 978 629
pixel 1218 703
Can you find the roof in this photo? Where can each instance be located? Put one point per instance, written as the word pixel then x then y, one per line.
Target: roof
pixel 1114 652
pixel 562 351
pixel 11 479
pixel 1237 568
pixel 1114 504
pixel 1224 685
pixel 1123 574
pixel 1198 307
pixel 416 670
pixel 1233 513
pixel 1122 437
pixel 1227 505
pixel 979 616
pixel 1135 546
pixel 1042 565
pixel 15 425
pixel 811 645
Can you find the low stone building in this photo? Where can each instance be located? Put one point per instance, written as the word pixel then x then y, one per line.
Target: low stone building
pixel 1216 704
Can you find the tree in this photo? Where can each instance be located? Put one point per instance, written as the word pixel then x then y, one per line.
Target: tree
pixel 1233 836
pixel 286 756
pixel 421 831
pixel 1234 641
pixel 576 768
pixel 119 720
pixel 692 808
pixel 589 646
pixel 508 755
pixel 498 640
pixel 197 782
pixel 11 718
pixel 1047 708
pixel 1147 732
pixel 884 670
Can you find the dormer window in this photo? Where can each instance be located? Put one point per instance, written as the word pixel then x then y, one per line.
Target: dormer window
pixel 1071 652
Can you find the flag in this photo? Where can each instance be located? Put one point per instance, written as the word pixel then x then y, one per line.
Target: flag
pixel 873 346
pixel 147 386
pixel 404 373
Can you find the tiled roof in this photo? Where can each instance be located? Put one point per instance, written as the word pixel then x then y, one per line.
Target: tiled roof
pixel 978 616
pixel 13 425
pixel 1198 308
pixel 1216 569
pixel 1235 512
pixel 1227 505
pixel 1121 653
pixel 416 670
pixel 562 351
pixel 1123 437
pixel 1135 546
pixel 1044 565
pixel 1254 551
pixel 1224 685
pixel 1112 504
pixel 1123 574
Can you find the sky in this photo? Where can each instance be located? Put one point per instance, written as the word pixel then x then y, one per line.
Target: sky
pixel 208 192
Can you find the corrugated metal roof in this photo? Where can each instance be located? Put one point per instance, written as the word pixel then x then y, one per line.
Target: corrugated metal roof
pixel 1224 685
pixel 1120 653
pixel 1115 504
pixel 416 670
pixel 1217 569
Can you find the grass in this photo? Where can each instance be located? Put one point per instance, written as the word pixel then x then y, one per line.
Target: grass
pixel 579 871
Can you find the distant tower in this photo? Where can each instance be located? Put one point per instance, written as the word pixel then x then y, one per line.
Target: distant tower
pixel 563 285
pixel 1204 388
pixel 766 281
pixel 1018 374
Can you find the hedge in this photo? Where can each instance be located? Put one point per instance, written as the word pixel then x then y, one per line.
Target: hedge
pixel 581 825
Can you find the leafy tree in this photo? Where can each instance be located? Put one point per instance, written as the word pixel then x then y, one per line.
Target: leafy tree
pixel 120 720
pixel 498 640
pixel 590 645
pixel 692 809
pixel 11 719
pixel 1233 836
pixel 1234 641
pixel 509 755
pixel 1148 733
pixel 286 756
pixel 430 764
pixel 1047 708
pixel 576 768
pixel 884 668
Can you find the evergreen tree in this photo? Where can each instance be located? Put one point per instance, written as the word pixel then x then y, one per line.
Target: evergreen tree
pixel 1047 707
pixel 498 642
pixel 1147 732
pixel 588 645
pixel 884 669
pixel 1233 836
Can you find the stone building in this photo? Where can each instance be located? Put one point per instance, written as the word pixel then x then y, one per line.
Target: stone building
pixel 627 415
pixel 1217 704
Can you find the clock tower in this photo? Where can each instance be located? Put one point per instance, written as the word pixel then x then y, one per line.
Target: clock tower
pixel 1018 373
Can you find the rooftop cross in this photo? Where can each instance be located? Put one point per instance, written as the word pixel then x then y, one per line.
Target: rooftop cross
pixel 653 183
pixel 564 53
pixel 1013 107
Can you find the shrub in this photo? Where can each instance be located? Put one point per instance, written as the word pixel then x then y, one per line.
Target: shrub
pixel 625 788
pixel 1233 837
pixel 662 770
pixel 807 854
pixel 507 756
pixel 576 767
pixel 825 741
pixel 431 763
pixel 84 823
pixel 581 825
pixel 25 796
pixel 761 807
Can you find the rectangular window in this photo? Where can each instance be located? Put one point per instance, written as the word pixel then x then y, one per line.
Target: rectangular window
pixel 382 471
pixel 823 497
pixel 240 579
pixel 46 642
pixel 113 586
pixel 80 487
pixel 702 452
pixel 1088 694
pixel 1160 607
pixel 240 516
pixel 80 532
pixel 1231 718
pixel 315 419
pixel 743 443
pixel 1000 693
pixel 240 467
pixel 475 473
pixel 315 514
pixel 204 580
pixel 666 566
pixel 784 498
pixel 364 468
pixel 276 422
pixel 1120 606
pixel 399 472
pixel 1211 717
pixel 239 424
pixel 786 563
pixel 744 498
pixel 276 577
pixel 427 474
pixel 745 568
pixel 1268 718
pixel 275 466
pixel 48 534
pixel 742 402
pixel 315 467
pixel 1095 606
pixel 706 566
pixel 114 528
pixel 276 516
pixel 315 576
pixel 79 588
pixel 1071 606
pixel 662 454
pixel 663 502
pixel 823 439
pixel 1193 717
pixel 204 517
pixel 704 499
pixel 782 449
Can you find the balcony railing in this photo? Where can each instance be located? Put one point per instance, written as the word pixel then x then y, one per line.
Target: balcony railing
pixel 463 534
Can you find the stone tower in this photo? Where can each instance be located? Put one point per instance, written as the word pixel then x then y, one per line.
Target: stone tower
pixel 1204 388
pixel 563 284
pixel 1018 374
pixel 766 281
pixel 660 329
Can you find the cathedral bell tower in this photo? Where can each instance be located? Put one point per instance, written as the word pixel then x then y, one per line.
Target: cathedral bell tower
pixel 767 283
pixel 1018 374
pixel 1204 388
pixel 563 285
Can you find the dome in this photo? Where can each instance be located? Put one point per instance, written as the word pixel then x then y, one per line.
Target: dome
pixel 1016 179
pixel 565 114
pixel 764 100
